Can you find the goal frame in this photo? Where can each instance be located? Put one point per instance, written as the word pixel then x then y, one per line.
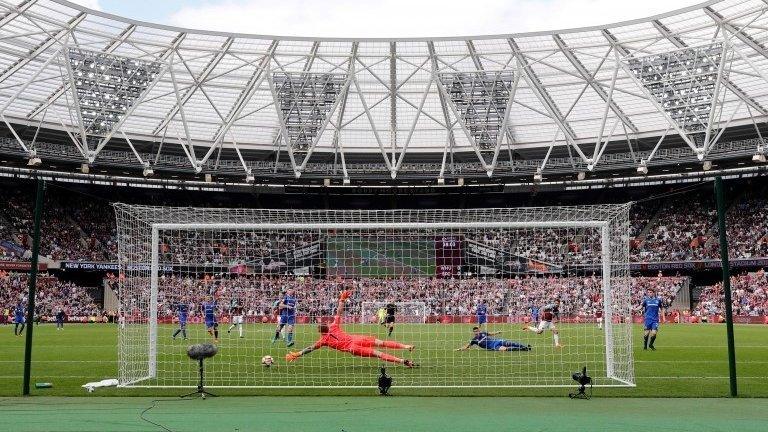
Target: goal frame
pixel 602 225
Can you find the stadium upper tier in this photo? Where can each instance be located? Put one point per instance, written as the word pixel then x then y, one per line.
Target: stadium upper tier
pixel 210 99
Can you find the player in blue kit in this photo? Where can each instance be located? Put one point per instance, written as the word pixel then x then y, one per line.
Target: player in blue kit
pixel 484 340
pixel 18 319
pixel 482 314
pixel 287 309
pixel 534 313
pixel 209 315
pixel 651 312
pixel 182 312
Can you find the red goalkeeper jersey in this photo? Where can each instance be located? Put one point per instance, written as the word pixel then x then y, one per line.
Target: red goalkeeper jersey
pixel 336 338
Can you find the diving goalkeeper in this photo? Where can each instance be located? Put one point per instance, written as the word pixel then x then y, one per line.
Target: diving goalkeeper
pixel 359 345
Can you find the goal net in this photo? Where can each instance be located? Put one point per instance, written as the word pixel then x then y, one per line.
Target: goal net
pixel 535 281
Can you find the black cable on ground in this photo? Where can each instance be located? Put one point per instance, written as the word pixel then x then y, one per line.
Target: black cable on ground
pixel 317 411
pixel 154 404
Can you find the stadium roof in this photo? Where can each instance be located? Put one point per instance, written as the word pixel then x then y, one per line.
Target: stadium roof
pixel 154 92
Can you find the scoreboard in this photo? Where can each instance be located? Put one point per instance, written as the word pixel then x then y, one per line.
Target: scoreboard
pixel 448 256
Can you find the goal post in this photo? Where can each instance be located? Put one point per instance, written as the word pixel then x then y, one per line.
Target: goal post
pixel 439 267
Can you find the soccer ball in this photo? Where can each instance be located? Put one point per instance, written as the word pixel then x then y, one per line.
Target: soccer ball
pixel 267 361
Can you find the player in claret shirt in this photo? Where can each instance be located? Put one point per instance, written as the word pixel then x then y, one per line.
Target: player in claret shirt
pixel 335 337
pixel 548 314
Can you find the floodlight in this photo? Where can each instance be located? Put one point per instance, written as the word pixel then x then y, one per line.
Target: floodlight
pixel 642 168
pixel 33 159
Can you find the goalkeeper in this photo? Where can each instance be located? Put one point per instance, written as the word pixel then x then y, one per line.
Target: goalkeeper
pixel 484 340
pixel 359 345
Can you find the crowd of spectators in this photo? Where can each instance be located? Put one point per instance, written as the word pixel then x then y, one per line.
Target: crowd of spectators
pixel 680 231
pixel 62 238
pixel 579 295
pixel 682 227
pixel 53 295
pixel 749 294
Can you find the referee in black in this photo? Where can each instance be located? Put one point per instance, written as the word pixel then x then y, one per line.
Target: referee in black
pixel 390 318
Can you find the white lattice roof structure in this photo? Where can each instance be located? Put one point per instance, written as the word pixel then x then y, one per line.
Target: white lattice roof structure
pixel 111 83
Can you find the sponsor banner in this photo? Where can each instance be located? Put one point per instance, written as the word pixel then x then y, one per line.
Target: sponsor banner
pixel 21 265
pixel 305 256
pixel 109 267
pixel 448 256
pixel 89 266
pixel 483 257
pixel 698 265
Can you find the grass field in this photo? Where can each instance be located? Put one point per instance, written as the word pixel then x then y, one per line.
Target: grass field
pixel 375 414
pixel 691 361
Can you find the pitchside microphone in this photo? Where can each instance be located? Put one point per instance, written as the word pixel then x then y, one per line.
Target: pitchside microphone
pixel 201 352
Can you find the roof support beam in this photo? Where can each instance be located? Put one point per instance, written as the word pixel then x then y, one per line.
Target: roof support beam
pixel 450 144
pixel 393 102
pixel 608 100
pixel 43 47
pixel 179 38
pixel 21 90
pixel 338 147
pixel 620 50
pixel 659 108
pixel 111 46
pixel 544 97
pixel 251 87
pixel 399 162
pixel 679 43
pixel 298 168
pixel 209 68
pixel 745 38
pixel 592 83
pixel 18 10
pixel 479 66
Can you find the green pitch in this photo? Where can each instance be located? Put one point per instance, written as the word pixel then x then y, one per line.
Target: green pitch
pixel 691 361
pixel 377 414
